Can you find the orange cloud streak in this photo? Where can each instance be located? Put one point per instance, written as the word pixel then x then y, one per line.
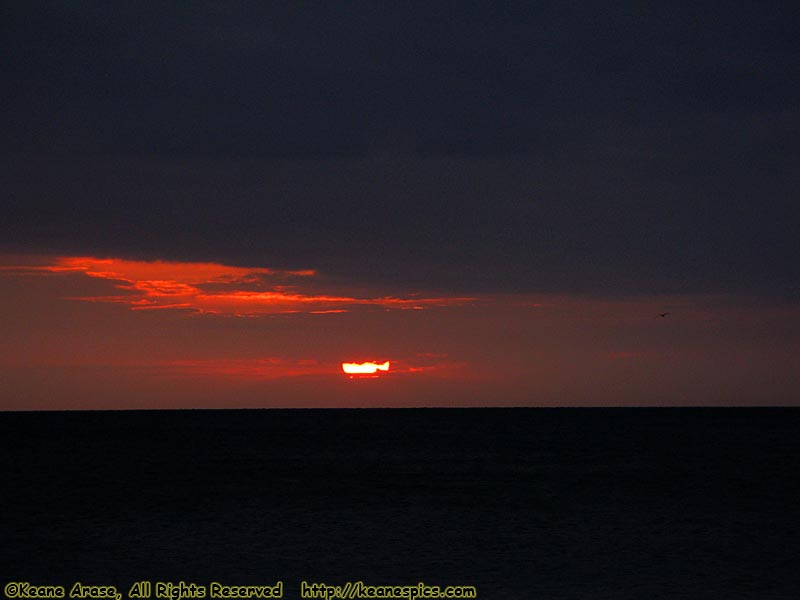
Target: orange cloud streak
pixel 165 271
pixel 239 291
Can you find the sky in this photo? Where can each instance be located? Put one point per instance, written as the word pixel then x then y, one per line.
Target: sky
pixel 216 204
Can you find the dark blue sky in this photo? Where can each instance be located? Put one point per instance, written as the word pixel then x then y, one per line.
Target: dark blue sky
pixel 594 147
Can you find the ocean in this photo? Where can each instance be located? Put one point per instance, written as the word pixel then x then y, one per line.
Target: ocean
pixel 522 503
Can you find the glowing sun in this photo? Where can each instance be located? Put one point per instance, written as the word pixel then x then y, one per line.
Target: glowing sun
pixel 367 368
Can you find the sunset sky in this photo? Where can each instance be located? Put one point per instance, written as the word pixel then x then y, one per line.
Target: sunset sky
pixel 216 204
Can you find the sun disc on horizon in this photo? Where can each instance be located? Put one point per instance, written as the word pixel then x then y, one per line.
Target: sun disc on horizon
pixel 367 368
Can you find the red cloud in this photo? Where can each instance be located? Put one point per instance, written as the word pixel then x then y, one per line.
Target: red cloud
pixel 276 368
pixel 212 288
pixel 245 368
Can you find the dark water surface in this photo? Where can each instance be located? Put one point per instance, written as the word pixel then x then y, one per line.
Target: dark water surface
pixel 521 503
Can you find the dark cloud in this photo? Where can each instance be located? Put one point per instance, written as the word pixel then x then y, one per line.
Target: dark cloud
pixel 511 146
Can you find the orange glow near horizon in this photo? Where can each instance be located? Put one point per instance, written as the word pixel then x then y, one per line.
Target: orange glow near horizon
pixel 108 333
pixel 246 368
pixel 367 368
pixel 217 289
pixel 275 367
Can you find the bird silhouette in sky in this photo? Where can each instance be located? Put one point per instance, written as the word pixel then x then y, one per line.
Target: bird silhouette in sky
pixel 662 315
